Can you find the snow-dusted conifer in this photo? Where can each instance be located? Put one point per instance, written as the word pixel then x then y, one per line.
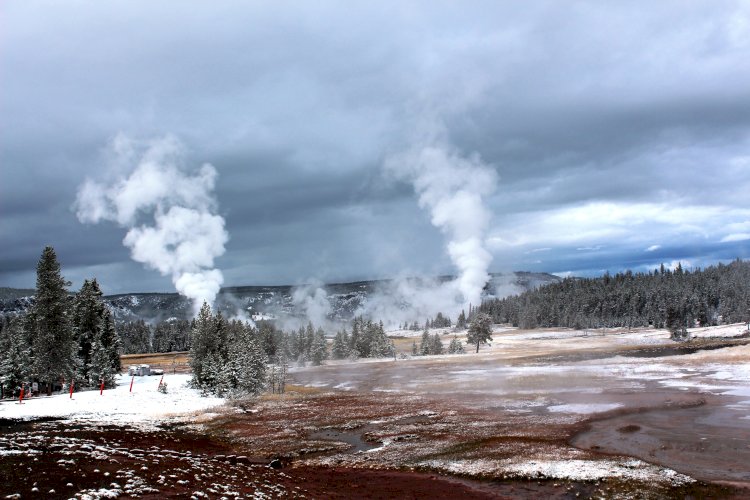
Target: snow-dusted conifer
pixel 340 348
pixel 436 346
pixel 424 344
pixel 461 321
pixel 355 340
pixel 201 348
pixel 455 346
pixel 100 367
pixel 319 348
pixel 14 355
pixel 111 340
pixel 88 310
pixel 245 365
pixel 53 345
pixel 480 330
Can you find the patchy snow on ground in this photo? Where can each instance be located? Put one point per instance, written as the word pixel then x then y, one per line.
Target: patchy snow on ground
pixel 145 404
pixel 564 469
pixel 589 470
pixel 733 330
pixel 584 409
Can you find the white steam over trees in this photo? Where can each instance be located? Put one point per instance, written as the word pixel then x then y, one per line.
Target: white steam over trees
pixel 453 188
pixel 185 234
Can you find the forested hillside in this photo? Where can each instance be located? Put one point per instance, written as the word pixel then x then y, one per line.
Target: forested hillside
pixel 717 294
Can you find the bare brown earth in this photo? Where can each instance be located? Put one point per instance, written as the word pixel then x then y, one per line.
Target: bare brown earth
pixel 58 460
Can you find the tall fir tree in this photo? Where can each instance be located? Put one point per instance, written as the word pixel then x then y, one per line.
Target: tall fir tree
pixel 14 356
pixel 201 351
pixel 53 344
pixel 319 348
pixel 110 339
pixel 340 348
pixel 88 310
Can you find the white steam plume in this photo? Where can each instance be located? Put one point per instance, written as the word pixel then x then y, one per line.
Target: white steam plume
pixel 453 187
pixel 312 302
pixel 184 235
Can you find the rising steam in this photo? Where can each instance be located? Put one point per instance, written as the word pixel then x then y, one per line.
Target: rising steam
pixel 453 187
pixel 169 213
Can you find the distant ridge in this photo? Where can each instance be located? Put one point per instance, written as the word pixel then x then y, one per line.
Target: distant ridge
pixel 344 298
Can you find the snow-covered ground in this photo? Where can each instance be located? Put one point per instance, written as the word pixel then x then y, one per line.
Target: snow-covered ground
pixel 144 405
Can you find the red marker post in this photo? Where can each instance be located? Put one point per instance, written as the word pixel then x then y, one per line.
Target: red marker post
pixel 131 383
pixel 72 385
pixel 20 400
pixel 101 389
pixel 160 381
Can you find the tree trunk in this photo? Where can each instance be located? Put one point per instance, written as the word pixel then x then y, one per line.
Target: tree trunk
pixel 49 389
pixel 477 347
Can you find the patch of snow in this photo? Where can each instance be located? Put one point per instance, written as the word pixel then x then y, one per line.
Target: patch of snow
pixel 143 405
pixel 584 408
pixel 589 470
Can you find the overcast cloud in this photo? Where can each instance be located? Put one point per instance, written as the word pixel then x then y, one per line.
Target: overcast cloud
pixel 620 131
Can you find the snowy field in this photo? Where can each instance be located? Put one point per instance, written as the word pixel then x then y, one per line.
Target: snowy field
pixel 144 405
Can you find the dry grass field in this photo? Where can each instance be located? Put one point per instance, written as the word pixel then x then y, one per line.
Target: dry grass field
pixel 170 362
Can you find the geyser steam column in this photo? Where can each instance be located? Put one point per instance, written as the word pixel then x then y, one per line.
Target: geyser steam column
pixel 168 211
pixel 453 188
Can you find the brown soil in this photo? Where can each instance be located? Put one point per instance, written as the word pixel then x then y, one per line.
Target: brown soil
pixel 59 460
pixel 706 442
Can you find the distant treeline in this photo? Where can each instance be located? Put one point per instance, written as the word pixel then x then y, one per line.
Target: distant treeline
pixel 166 336
pixel 715 295
pixel 307 344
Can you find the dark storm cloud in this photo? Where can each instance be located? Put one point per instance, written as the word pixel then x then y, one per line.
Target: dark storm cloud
pixel 612 126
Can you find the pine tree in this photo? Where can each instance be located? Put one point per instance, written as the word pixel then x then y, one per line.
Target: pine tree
pixel 319 348
pixel 202 350
pixel 354 340
pixel 461 321
pixel 436 346
pixel 340 348
pixel 92 322
pixel 424 344
pixel 380 346
pixel 88 310
pixel 455 346
pixel 111 340
pixel 245 365
pixel 14 355
pixel 53 346
pixel 480 330
pixel 227 358
pixel 100 367
pixel 135 337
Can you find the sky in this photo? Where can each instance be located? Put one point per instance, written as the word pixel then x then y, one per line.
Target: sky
pixel 619 132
